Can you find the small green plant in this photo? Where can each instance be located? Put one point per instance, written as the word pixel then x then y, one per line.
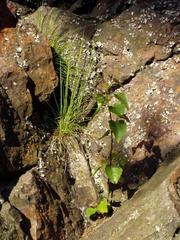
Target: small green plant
pixel 101 208
pixel 117 129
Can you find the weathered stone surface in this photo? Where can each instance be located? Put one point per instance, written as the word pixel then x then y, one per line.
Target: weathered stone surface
pixel 153 113
pixel 25 79
pixel 134 38
pixel 65 162
pixel 154 106
pixel 24 73
pixel 153 130
pixel 53 165
pixel 12 224
pixel 84 190
pixel 40 205
pixel 152 213
pixel 140 45
pixel 64 24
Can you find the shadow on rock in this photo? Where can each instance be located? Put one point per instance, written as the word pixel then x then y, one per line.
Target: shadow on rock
pixel 7 19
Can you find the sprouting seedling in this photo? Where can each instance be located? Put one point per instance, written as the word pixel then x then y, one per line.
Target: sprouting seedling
pixel 102 208
pixel 117 128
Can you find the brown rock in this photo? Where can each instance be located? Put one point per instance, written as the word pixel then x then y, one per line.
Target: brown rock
pixel 65 162
pixel 84 190
pixel 133 39
pixel 152 213
pixel 53 165
pixel 21 64
pixel 40 67
pixel 40 205
pixel 138 50
pixel 154 107
pixel 64 24
pixel 25 78
pixel 12 223
pixel 13 78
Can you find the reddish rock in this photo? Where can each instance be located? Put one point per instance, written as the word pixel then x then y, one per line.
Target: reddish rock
pixel 20 64
pixel 154 107
pixel 25 78
pixel 133 39
pixel 139 52
pixel 40 205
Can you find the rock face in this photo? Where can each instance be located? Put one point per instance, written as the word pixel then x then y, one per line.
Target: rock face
pixel 22 68
pixel 44 199
pixel 26 78
pixel 41 205
pixel 152 213
pixel 141 58
pixel 13 224
pixel 35 209
pixel 80 171
pixel 61 23
pixel 136 37
pixel 45 181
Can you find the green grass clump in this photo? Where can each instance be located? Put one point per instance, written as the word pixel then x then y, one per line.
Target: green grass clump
pixel 75 63
pixel 75 73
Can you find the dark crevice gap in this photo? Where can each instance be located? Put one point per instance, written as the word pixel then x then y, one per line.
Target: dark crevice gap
pixel 86 155
pixel 120 6
pixel 42 116
pixel 31 87
pixel 177 232
pixel 9 119
pixel 85 7
pixel 25 225
pixel 136 174
pixel 21 219
pixel 7 19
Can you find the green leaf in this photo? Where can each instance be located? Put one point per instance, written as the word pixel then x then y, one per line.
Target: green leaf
pixel 113 173
pixel 101 100
pixel 123 162
pixel 118 109
pixel 102 207
pixel 122 98
pixel 118 128
pixel 90 211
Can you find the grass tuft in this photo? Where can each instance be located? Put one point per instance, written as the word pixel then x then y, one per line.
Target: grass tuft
pixel 75 63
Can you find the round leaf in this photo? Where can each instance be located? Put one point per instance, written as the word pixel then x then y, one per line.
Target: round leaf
pixel 90 211
pixel 122 98
pixel 101 100
pixel 118 128
pixel 103 206
pixel 118 109
pixel 113 173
